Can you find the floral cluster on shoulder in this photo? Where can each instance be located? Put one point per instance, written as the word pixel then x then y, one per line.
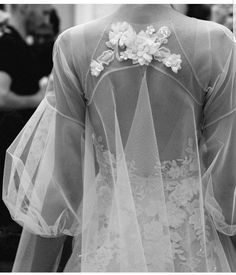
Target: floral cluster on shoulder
pixel 141 48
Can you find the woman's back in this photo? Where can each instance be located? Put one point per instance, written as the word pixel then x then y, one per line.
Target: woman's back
pixel 172 96
pixel 149 103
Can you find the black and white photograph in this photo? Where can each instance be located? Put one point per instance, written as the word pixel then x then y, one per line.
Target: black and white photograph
pixel 117 137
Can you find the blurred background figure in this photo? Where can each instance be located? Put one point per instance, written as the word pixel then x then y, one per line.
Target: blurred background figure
pixel 219 13
pixel 4 17
pixel 41 40
pixel 23 69
pixel 199 11
pixel 75 14
pixel 48 31
pixel 222 14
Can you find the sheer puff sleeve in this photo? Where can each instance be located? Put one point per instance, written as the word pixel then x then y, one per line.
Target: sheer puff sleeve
pixel 219 132
pixel 42 185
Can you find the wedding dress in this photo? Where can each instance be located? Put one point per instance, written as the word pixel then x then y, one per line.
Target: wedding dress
pixel 132 151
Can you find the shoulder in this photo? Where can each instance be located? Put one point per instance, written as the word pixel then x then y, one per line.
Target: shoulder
pixel 85 35
pixel 79 42
pixel 214 40
pixel 207 45
pixel 222 43
pixel 89 29
pixel 219 31
pixel 203 28
pixel 217 49
pixel 218 34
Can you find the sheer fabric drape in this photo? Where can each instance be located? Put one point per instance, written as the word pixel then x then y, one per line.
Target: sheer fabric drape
pixel 138 163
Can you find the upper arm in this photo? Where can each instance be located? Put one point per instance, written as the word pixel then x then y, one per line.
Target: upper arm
pixel 221 96
pixel 219 131
pixel 221 46
pixel 66 80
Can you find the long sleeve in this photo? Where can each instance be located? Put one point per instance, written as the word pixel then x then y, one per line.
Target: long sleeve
pixel 43 169
pixel 219 132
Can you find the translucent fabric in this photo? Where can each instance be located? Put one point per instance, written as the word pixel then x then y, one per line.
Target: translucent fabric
pixel 137 163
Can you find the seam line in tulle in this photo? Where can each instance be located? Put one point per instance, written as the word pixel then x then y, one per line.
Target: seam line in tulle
pixel 107 73
pixel 189 63
pixel 92 56
pixel 218 119
pixel 160 70
pixel 63 115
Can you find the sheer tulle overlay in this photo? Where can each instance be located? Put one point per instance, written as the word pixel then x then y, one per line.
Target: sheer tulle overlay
pixel 137 162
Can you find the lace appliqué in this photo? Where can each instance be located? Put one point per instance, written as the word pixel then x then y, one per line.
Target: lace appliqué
pixel 104 59
pixel 140 47
pixel 186 222
pixel 168 210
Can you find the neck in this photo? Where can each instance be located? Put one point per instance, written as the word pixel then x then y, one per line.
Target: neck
pixel 144 7
pixel 18 24
pixel 142 13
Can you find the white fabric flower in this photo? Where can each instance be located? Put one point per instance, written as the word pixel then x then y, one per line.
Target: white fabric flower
pixel 119 33
pixel 140 48
pixel 150 30
pixel 162 34
pixel 174 61
pixel 161 53
pixel 164 31
pixel 127 38
pixel 143 49
pixel 96 68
